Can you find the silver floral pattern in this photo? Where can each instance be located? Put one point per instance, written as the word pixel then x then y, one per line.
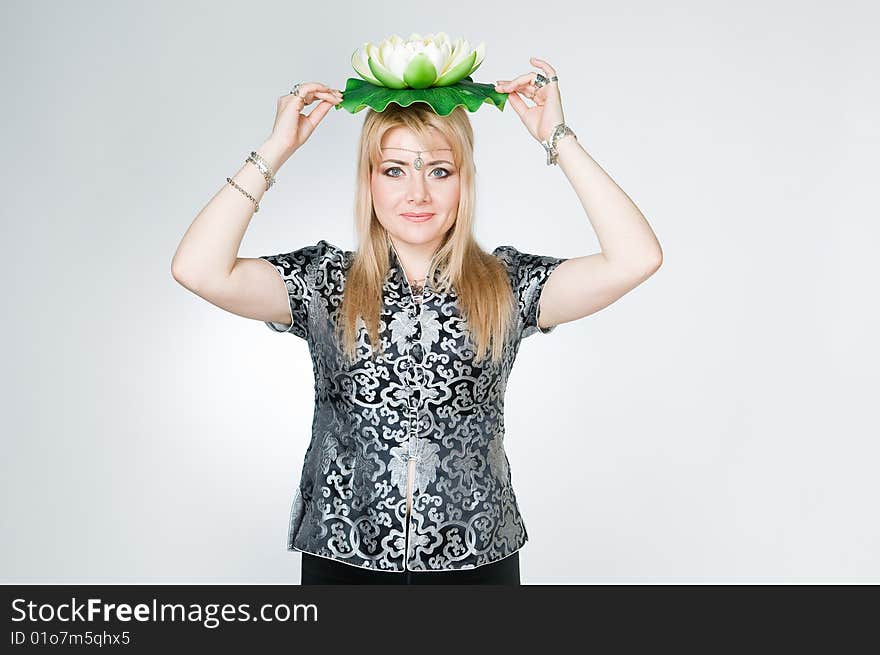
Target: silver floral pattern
pixel 424 398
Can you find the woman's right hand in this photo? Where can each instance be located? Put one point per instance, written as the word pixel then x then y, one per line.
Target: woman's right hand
pixel 293 128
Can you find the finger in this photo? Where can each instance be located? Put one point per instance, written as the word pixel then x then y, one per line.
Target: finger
pixel 330 89
pixel 544 66
pixel 326 98
pixel 525 83
pixel 518 83
pixel 317 114
pixel 549 72
pixel 527 91
pixel 308 91
pixel 329 96
pixel 315 86
pixel 321 95
pixel 518 104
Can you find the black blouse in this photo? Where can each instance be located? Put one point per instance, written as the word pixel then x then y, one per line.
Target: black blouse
pixel 422 422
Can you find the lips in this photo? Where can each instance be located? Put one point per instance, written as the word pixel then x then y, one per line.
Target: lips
pixel 417 218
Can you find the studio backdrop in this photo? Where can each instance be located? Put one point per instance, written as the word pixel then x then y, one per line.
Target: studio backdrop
pixel 715 425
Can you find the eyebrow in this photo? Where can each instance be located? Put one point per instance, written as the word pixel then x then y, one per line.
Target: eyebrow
pixel 430 163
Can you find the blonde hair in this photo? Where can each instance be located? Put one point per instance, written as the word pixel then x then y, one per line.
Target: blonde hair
pixel 484 295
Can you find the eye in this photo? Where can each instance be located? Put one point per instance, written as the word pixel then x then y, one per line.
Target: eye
pixel 397 168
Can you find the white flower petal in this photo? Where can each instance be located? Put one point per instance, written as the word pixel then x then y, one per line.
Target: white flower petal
pixel 445 56
pixel 385 50
pixel 359 62
pixel 458 54
pixel 373 52
pixel 442 38
pixel 481 52
pixel 397 61
pixel 449 59
pixel 433 53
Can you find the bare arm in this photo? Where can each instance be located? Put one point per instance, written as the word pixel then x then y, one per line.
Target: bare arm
pixel 630 252
pixel 208 250
pixel 206 261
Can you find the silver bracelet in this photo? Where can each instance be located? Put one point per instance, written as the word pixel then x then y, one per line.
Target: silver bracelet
pixel 247 195
pixel 264 167
pixel 549 145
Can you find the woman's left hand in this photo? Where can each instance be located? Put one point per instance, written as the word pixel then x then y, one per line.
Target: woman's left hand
pixel 547 112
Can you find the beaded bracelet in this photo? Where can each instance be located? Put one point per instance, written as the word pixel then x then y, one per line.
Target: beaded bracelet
pixel 267 172
pixel 247 195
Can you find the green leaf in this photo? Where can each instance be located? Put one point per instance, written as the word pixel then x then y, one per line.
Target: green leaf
pixel 360 94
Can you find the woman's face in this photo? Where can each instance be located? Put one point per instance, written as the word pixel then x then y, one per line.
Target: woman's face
pixel 398 188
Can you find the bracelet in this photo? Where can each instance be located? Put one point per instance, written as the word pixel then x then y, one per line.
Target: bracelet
pixel 264 167
pixel 266 171
pixel 247 195
pixel 549 145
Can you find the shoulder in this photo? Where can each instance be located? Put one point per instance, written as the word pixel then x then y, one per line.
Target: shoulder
pixel 507 255
pixel 518 261
pixel 318 255
pixel 526 268
pixel 500 251
pixel 328 254
pixel 324 251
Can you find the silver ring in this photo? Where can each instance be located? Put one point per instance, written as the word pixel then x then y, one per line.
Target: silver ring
pixel 296 89
pixel 540 80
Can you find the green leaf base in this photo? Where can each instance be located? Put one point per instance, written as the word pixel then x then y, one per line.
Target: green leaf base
pixel 360 94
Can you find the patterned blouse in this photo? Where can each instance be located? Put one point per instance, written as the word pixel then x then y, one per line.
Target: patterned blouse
pixel 406 468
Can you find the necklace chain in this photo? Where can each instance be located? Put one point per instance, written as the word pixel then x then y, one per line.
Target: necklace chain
pixel 414 287
pixel 419 289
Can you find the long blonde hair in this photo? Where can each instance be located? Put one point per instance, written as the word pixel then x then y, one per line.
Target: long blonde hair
pixel 481 282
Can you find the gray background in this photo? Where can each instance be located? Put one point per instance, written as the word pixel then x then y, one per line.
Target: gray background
pixel 715 425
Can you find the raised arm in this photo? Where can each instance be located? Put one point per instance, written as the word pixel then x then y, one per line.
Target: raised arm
pixel 206 261
pixel 630 252
pixel 207 256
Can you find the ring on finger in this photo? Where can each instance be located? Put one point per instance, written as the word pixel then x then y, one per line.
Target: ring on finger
pixel 540 80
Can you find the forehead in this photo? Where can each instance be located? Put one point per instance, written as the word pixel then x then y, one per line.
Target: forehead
pixel 403 137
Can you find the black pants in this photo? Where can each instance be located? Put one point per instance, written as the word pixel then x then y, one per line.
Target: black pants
pixel 323 570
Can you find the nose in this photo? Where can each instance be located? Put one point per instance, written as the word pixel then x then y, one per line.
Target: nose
pixel 418 188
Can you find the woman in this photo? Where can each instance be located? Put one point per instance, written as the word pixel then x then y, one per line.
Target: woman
pixel 413 335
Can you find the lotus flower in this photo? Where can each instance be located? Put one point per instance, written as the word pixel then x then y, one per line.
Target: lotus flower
pixel 430 70
pixel 417 63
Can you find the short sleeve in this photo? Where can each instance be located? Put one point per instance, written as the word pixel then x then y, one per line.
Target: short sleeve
pixel 528 274
pixel 299 270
